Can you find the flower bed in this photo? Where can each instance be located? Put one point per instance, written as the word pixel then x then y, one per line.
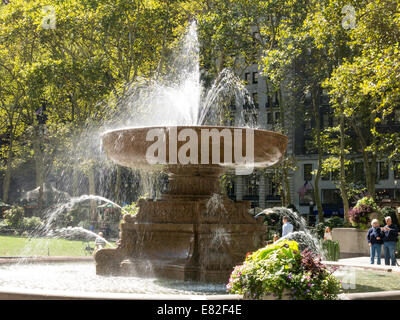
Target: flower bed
pixel 281 270
pixel 361 215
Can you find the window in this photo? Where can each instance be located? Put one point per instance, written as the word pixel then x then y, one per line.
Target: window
pixel 325 99
pixel 335 121
pixel 276 101
pixel 256 36
pixel 358 170
pixel 397 116
pixel 272 190
pixel 396 170
pixel 277 116
pixel 326 176
pixel 251 184
pixel 231 119
pixel 269 118
pixel 325 120
pixel 268 103
pixel 247 77
pixel 331 196
pixel 383 170
pixel 307 198
pixel 307 169
pixel 335 175
pixel 251 117
pixel 255 99
pixel 255 77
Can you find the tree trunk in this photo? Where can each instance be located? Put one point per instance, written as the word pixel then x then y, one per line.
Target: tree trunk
pixel 92 191
pixel 317 198
pixel 39 164
pixel 75 190
pixel 7 176
pixel 370 168
pixel 285 179
pixel 343 186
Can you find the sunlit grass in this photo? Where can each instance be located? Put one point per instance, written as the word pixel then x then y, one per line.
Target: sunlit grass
pixel 22 246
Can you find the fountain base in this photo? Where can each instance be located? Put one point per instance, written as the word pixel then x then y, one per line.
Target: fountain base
pixel 194 239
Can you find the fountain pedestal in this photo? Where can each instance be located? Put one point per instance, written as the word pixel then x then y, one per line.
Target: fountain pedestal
pixel 188 235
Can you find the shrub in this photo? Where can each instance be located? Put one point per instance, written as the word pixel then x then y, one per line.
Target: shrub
pixel 360 214
pixel 85 224
pixel 14 216
pixel 280 268
pixel 389 211
pixel 5 229
pixel 131 209
pixel 368 202
pixel 334 222
pixel 31 223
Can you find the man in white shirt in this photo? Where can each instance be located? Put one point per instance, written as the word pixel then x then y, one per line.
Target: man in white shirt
pixel 287 226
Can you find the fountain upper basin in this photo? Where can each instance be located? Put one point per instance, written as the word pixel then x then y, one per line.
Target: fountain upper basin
pixel 176 146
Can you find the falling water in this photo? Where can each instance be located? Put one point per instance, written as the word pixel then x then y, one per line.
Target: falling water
pixel 175 95
pixel 303 236
pixel 52 214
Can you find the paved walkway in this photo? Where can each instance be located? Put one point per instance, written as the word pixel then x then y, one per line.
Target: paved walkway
pixel 363 262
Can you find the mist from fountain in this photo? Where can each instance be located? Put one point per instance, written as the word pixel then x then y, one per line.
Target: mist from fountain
pixel 174 96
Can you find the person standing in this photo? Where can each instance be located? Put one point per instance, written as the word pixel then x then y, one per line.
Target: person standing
pixel 374 238
pixel 390 235
pixel 287 226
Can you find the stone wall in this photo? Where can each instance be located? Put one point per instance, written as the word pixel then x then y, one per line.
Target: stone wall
pixel 352 242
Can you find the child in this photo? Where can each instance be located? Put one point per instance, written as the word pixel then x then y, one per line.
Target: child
pixel 374 237
pixel 100 243
pixel 327 234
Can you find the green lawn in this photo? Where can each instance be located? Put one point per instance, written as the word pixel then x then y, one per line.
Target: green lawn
pixel 21 246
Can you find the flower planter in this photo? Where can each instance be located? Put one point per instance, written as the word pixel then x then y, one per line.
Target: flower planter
pixel 285 296
pixel 352 242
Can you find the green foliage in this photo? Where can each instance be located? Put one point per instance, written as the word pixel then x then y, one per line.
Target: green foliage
pixel 84 224
pixel 30 224
pixel 360 214
pixel 280 269
pixel 14 216
pixel 391 212
pixel 331 250
pixel 334 222
pixel 367 201
pixel 131 209
pixel 286 247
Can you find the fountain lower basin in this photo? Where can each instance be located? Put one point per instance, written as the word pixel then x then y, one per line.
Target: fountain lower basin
pixel 77 280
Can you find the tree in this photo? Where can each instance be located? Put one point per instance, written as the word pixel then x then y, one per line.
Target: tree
pixel 365 87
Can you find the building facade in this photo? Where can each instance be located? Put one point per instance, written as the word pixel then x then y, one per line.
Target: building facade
pixel 259 187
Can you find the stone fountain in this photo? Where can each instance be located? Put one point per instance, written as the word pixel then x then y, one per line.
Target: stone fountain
pixel 193 232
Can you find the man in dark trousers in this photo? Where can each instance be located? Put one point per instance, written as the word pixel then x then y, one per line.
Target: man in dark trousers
pixel 374 238
pixel 389 241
